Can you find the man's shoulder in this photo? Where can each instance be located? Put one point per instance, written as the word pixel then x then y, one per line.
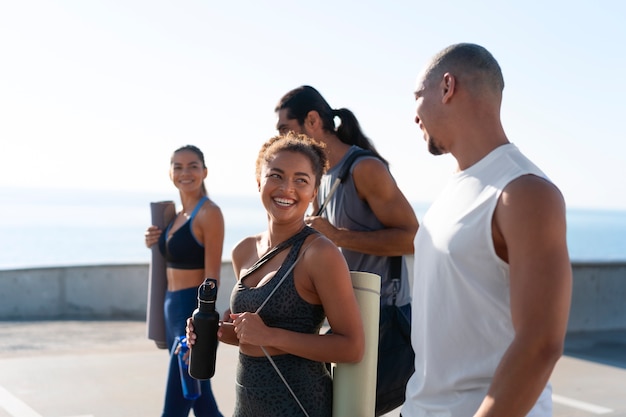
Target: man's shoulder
pixel 354 157
pixel 530 187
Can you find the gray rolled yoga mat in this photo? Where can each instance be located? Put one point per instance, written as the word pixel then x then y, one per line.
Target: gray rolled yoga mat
pixel 162 213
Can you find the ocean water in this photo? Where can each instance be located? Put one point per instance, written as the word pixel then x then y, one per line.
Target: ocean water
pixel 67 227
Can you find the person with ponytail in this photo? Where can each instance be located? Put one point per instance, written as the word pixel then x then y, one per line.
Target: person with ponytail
pixel 366 216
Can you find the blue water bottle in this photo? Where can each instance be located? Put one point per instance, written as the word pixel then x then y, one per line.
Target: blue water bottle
pixel 191 386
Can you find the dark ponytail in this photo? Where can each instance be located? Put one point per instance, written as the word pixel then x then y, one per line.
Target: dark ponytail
pixel 349 131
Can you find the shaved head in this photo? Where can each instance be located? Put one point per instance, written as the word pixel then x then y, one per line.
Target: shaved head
pixel 472 65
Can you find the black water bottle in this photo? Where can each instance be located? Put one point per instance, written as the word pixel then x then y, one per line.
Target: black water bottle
pixel 205 325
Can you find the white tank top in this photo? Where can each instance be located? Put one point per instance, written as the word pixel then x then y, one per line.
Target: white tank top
pixel 461 315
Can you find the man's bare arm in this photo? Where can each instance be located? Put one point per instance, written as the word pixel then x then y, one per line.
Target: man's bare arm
pixel 529 233
pixel 377 187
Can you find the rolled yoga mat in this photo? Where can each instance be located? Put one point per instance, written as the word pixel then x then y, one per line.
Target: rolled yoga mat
pixel 354 384
pixel 162 213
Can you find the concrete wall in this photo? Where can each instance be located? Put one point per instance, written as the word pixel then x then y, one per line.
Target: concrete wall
pixel 84 292
pixel 599 297
pixel 120 292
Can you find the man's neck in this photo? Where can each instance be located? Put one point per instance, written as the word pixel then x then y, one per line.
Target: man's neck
pixel 335 148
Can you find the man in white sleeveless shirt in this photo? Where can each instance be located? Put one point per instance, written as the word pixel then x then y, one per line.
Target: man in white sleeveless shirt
pixel 493 279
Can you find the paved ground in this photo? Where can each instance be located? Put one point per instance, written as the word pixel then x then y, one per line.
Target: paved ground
pixel 109 369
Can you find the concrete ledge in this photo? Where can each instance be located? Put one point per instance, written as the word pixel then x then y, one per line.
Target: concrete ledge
pixel 120 292
pixel 99 291
pixel 599 297
pixel 84 292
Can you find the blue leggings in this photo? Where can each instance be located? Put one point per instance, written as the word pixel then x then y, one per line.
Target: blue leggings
pixel 179 305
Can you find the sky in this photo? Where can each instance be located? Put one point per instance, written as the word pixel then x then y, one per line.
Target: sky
pixel 98 94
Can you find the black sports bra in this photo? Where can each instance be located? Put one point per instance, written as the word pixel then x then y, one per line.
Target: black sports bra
pixel 182 250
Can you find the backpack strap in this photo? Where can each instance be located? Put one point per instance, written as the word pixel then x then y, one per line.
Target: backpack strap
pixel 343 175
pixel 395 267
pixel 395 272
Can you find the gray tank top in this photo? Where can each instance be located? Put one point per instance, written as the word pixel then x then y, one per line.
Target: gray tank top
pixel 286 309
pixel 347 210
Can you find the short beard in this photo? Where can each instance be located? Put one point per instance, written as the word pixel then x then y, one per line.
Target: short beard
pixel 433 148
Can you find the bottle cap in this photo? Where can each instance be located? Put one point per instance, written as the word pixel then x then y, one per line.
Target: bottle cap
pixel 207 292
